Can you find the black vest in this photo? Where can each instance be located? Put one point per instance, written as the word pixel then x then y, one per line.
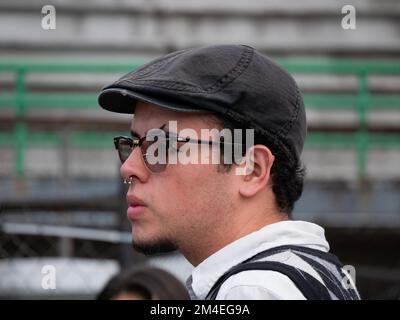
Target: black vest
pixel 325 264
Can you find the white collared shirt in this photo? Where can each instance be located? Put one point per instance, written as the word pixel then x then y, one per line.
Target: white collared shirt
pixel 258 284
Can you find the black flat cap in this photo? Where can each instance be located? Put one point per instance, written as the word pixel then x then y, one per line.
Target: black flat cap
pixel 233 81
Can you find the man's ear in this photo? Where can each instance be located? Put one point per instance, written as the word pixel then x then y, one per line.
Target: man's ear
pixel 257 170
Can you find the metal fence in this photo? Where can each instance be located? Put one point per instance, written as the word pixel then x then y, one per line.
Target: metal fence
pixel 361 137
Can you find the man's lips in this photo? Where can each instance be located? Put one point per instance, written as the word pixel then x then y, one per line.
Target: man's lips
pixel 134 200
pixel 136 206
pixel 134 212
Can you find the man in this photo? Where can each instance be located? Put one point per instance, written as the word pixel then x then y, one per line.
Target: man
pixel 220 220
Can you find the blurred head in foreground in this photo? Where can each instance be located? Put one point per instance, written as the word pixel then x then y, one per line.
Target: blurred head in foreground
pixel 147 283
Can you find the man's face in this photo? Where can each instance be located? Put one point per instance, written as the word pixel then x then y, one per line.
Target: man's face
pixel 185 203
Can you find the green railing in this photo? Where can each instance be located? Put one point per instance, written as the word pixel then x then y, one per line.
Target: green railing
pixel 362 101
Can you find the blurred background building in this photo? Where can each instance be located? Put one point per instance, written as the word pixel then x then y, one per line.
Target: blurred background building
pixel 61 197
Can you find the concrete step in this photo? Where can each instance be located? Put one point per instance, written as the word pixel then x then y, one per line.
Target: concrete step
pixel 322 164
pixel 209 7
pixel 82 82
pixel 155 27
pixel 96 118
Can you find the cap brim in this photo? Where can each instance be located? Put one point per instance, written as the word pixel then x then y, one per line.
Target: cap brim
pixel 124 101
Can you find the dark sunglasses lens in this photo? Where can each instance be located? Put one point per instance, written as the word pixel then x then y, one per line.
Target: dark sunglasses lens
pixel 124 149
pixel 153 157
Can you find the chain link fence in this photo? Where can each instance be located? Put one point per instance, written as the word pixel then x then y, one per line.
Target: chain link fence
pixel 66 246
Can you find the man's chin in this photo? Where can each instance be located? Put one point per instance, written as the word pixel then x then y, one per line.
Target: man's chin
pixel 149 248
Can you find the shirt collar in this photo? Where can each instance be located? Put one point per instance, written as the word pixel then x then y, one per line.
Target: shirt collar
pixel 273 235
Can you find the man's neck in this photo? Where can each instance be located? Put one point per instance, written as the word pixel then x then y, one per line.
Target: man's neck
pixel 232 231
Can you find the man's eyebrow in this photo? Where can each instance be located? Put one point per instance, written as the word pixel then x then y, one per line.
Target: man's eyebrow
pixel 137 135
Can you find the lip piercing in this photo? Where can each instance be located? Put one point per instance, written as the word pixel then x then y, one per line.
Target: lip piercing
pixel 128 181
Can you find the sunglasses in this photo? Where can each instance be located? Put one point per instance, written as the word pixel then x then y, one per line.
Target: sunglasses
pixel 126 145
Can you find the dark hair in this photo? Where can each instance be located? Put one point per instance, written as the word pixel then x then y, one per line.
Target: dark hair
pixel 287 176
pixel 149 282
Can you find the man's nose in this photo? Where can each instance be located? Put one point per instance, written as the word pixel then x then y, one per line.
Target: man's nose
pixel 134 167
